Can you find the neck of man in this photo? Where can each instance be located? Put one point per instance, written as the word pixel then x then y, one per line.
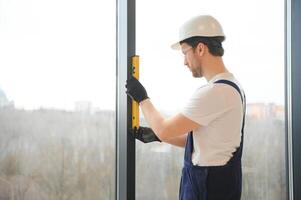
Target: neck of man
pixel 213 66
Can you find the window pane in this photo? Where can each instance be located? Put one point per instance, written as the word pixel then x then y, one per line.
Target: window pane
pixel 254 53
pixel 57 99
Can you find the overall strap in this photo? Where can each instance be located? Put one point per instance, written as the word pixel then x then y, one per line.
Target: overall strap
pixel 188 149
pixel 233 85
pixel 237 155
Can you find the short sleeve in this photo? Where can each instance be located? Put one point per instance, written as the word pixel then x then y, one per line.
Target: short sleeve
pixel 209 102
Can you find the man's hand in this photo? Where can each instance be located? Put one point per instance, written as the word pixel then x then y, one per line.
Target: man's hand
pixel 136 90
pixel 145 134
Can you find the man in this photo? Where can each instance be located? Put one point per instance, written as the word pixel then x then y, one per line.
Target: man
pixel 210 126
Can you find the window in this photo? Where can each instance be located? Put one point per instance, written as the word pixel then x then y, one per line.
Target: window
pixel 254 53
pixel 57 128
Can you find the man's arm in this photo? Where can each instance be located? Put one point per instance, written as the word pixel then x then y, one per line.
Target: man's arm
pixel 167 129
pixel 147 135
pixel 179 141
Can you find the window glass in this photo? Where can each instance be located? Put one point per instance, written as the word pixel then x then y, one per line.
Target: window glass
pixel 254 53
pixel 57 99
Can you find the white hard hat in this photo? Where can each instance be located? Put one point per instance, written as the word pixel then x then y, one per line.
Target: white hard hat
pixel 203 25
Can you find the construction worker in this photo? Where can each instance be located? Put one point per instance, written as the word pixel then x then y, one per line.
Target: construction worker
pixel 210 126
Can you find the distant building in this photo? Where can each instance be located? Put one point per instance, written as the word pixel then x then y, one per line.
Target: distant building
pixel 262 111
pixel 3 100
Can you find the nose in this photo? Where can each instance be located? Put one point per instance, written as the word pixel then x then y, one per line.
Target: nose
pixel 185 61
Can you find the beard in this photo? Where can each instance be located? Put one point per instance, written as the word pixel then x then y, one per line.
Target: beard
pixel 196 69
pixel 196 73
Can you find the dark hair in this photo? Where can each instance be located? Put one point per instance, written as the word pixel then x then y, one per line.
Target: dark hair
pixel 214 44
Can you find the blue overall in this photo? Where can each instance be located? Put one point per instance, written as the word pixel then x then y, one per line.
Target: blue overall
pixel 214 182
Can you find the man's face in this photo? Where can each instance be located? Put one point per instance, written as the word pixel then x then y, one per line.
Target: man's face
pixel 192 60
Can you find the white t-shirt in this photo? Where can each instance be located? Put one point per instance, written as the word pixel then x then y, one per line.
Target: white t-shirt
pixel 218 108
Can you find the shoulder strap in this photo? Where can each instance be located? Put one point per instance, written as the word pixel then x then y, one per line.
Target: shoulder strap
pixel 242 96
pixel 243 100
pixel 233 85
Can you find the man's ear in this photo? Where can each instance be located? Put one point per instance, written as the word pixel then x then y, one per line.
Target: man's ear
pixel 201 48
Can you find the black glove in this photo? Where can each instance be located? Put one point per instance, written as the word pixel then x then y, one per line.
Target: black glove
pixel 145 134
pixel 136 90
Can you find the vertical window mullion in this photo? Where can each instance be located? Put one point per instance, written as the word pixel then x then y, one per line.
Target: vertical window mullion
pixel 125 158
pixel 294 97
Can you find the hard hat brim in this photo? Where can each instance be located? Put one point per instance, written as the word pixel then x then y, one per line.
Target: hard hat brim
pixel 176 46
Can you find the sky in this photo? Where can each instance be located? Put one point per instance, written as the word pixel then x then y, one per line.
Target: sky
pixel 55 53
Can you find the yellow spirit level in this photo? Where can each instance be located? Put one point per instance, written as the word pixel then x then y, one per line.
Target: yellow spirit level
pixel 135 105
